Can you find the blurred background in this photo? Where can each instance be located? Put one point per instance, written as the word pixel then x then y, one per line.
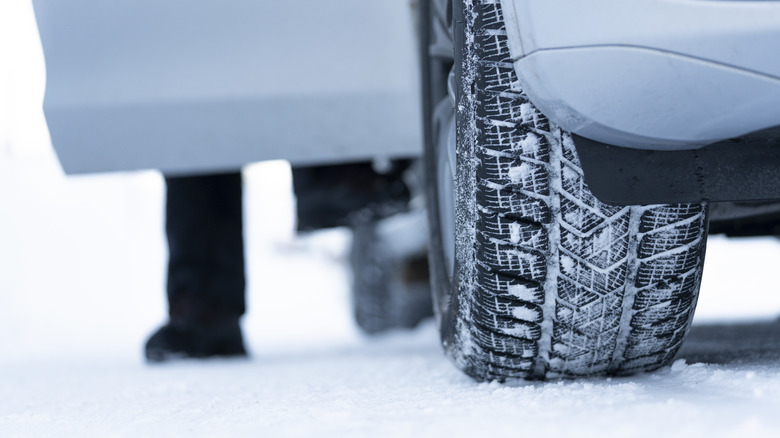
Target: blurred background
pixel 82 259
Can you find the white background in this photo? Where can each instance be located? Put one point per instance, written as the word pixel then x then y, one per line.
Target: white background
pixel 82 284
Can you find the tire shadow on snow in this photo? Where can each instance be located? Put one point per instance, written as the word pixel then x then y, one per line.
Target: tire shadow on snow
pixel 756 343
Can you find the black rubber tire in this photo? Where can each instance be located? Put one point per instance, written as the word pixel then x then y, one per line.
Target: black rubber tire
pixel 389 291
pixel 547 280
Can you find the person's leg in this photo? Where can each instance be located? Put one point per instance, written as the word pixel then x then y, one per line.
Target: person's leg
pixel 338 195
pixel 205 269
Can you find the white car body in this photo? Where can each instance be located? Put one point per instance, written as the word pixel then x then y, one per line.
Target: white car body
pixel 650 74
pixel 190 86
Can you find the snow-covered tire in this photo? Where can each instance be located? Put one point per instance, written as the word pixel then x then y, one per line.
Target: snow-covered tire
pixel 534 277
pixel 390 287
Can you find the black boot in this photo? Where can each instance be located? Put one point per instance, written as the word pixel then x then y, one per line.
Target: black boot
pixel 181 340
pixel 205 269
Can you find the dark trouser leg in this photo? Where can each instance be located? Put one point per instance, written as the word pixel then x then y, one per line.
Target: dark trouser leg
pixel 342 194
pixel 206 246
pixel 205 268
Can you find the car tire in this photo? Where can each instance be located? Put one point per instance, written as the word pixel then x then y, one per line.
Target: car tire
pixel 533 277
pixel 390 279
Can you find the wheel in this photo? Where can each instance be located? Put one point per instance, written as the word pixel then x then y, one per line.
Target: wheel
pixel 533 277
pixel 390 287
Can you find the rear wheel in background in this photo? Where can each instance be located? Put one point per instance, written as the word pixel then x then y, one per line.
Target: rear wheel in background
pixel 534 277
pixel 390 278
pixel 388 256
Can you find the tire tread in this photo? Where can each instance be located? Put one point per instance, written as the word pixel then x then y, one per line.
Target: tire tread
pixel 626 278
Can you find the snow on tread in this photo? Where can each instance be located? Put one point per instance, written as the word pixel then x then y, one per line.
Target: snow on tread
pixel 564 284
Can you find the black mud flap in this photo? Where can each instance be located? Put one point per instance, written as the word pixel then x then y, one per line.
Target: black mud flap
pixel 743 169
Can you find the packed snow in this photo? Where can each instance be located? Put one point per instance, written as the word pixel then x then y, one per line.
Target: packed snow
pixel 82 284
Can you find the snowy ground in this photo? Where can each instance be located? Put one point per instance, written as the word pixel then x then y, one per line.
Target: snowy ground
pixel 81 286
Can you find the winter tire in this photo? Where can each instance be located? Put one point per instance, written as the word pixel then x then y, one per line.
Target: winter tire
pixel 533 276
pixel 390 279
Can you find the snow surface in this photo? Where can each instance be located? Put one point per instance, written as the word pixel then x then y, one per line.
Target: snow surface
pixel 82 283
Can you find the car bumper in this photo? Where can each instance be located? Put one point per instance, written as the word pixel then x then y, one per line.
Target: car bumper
pixel 650 74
